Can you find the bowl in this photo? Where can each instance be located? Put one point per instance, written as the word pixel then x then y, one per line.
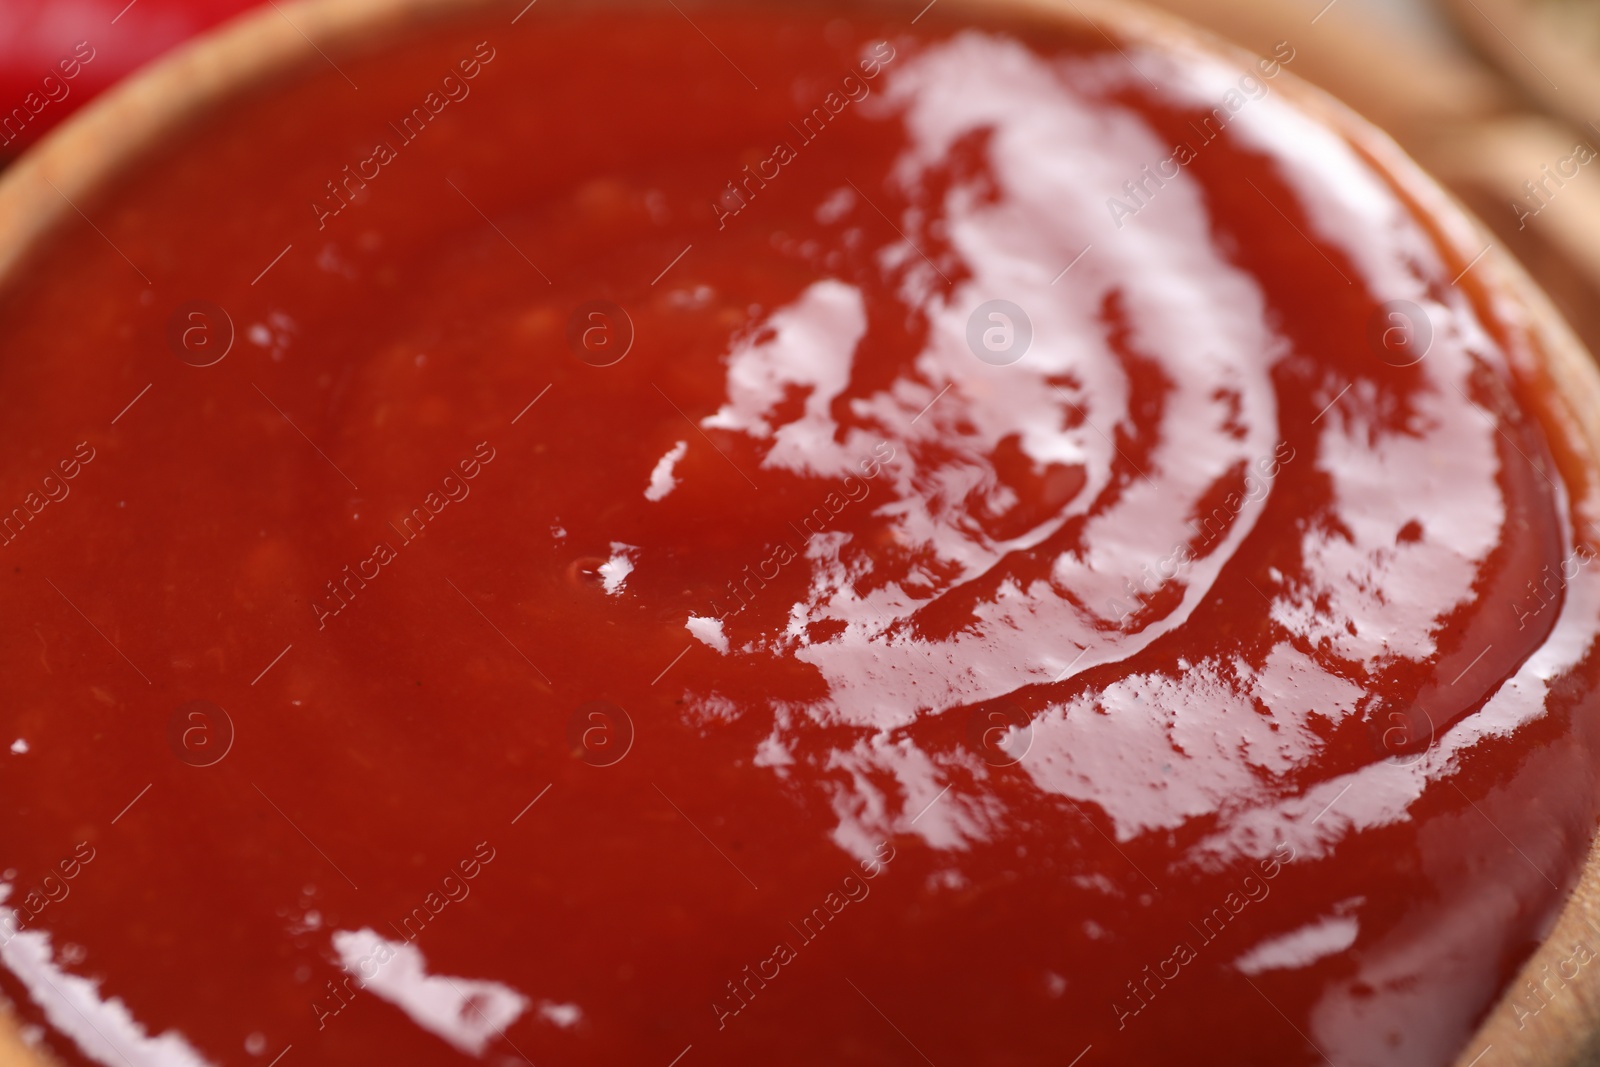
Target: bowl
pixel 56 184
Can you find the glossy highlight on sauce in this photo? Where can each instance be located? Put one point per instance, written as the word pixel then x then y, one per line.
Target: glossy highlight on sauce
pixel 643 610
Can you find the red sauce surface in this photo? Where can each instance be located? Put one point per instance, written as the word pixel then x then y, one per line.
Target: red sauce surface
pixel 798 687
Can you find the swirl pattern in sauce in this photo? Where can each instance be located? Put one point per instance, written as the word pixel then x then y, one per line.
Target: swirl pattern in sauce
pixel 840 674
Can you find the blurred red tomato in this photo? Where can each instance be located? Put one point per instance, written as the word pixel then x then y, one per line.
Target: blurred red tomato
pixel 55 55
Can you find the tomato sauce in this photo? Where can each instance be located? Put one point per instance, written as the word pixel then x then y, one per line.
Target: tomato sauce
pixel 785 536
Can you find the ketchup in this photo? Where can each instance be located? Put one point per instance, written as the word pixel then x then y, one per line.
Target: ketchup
pixel 759 535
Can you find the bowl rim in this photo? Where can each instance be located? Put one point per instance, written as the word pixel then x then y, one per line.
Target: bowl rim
pixel 67 168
